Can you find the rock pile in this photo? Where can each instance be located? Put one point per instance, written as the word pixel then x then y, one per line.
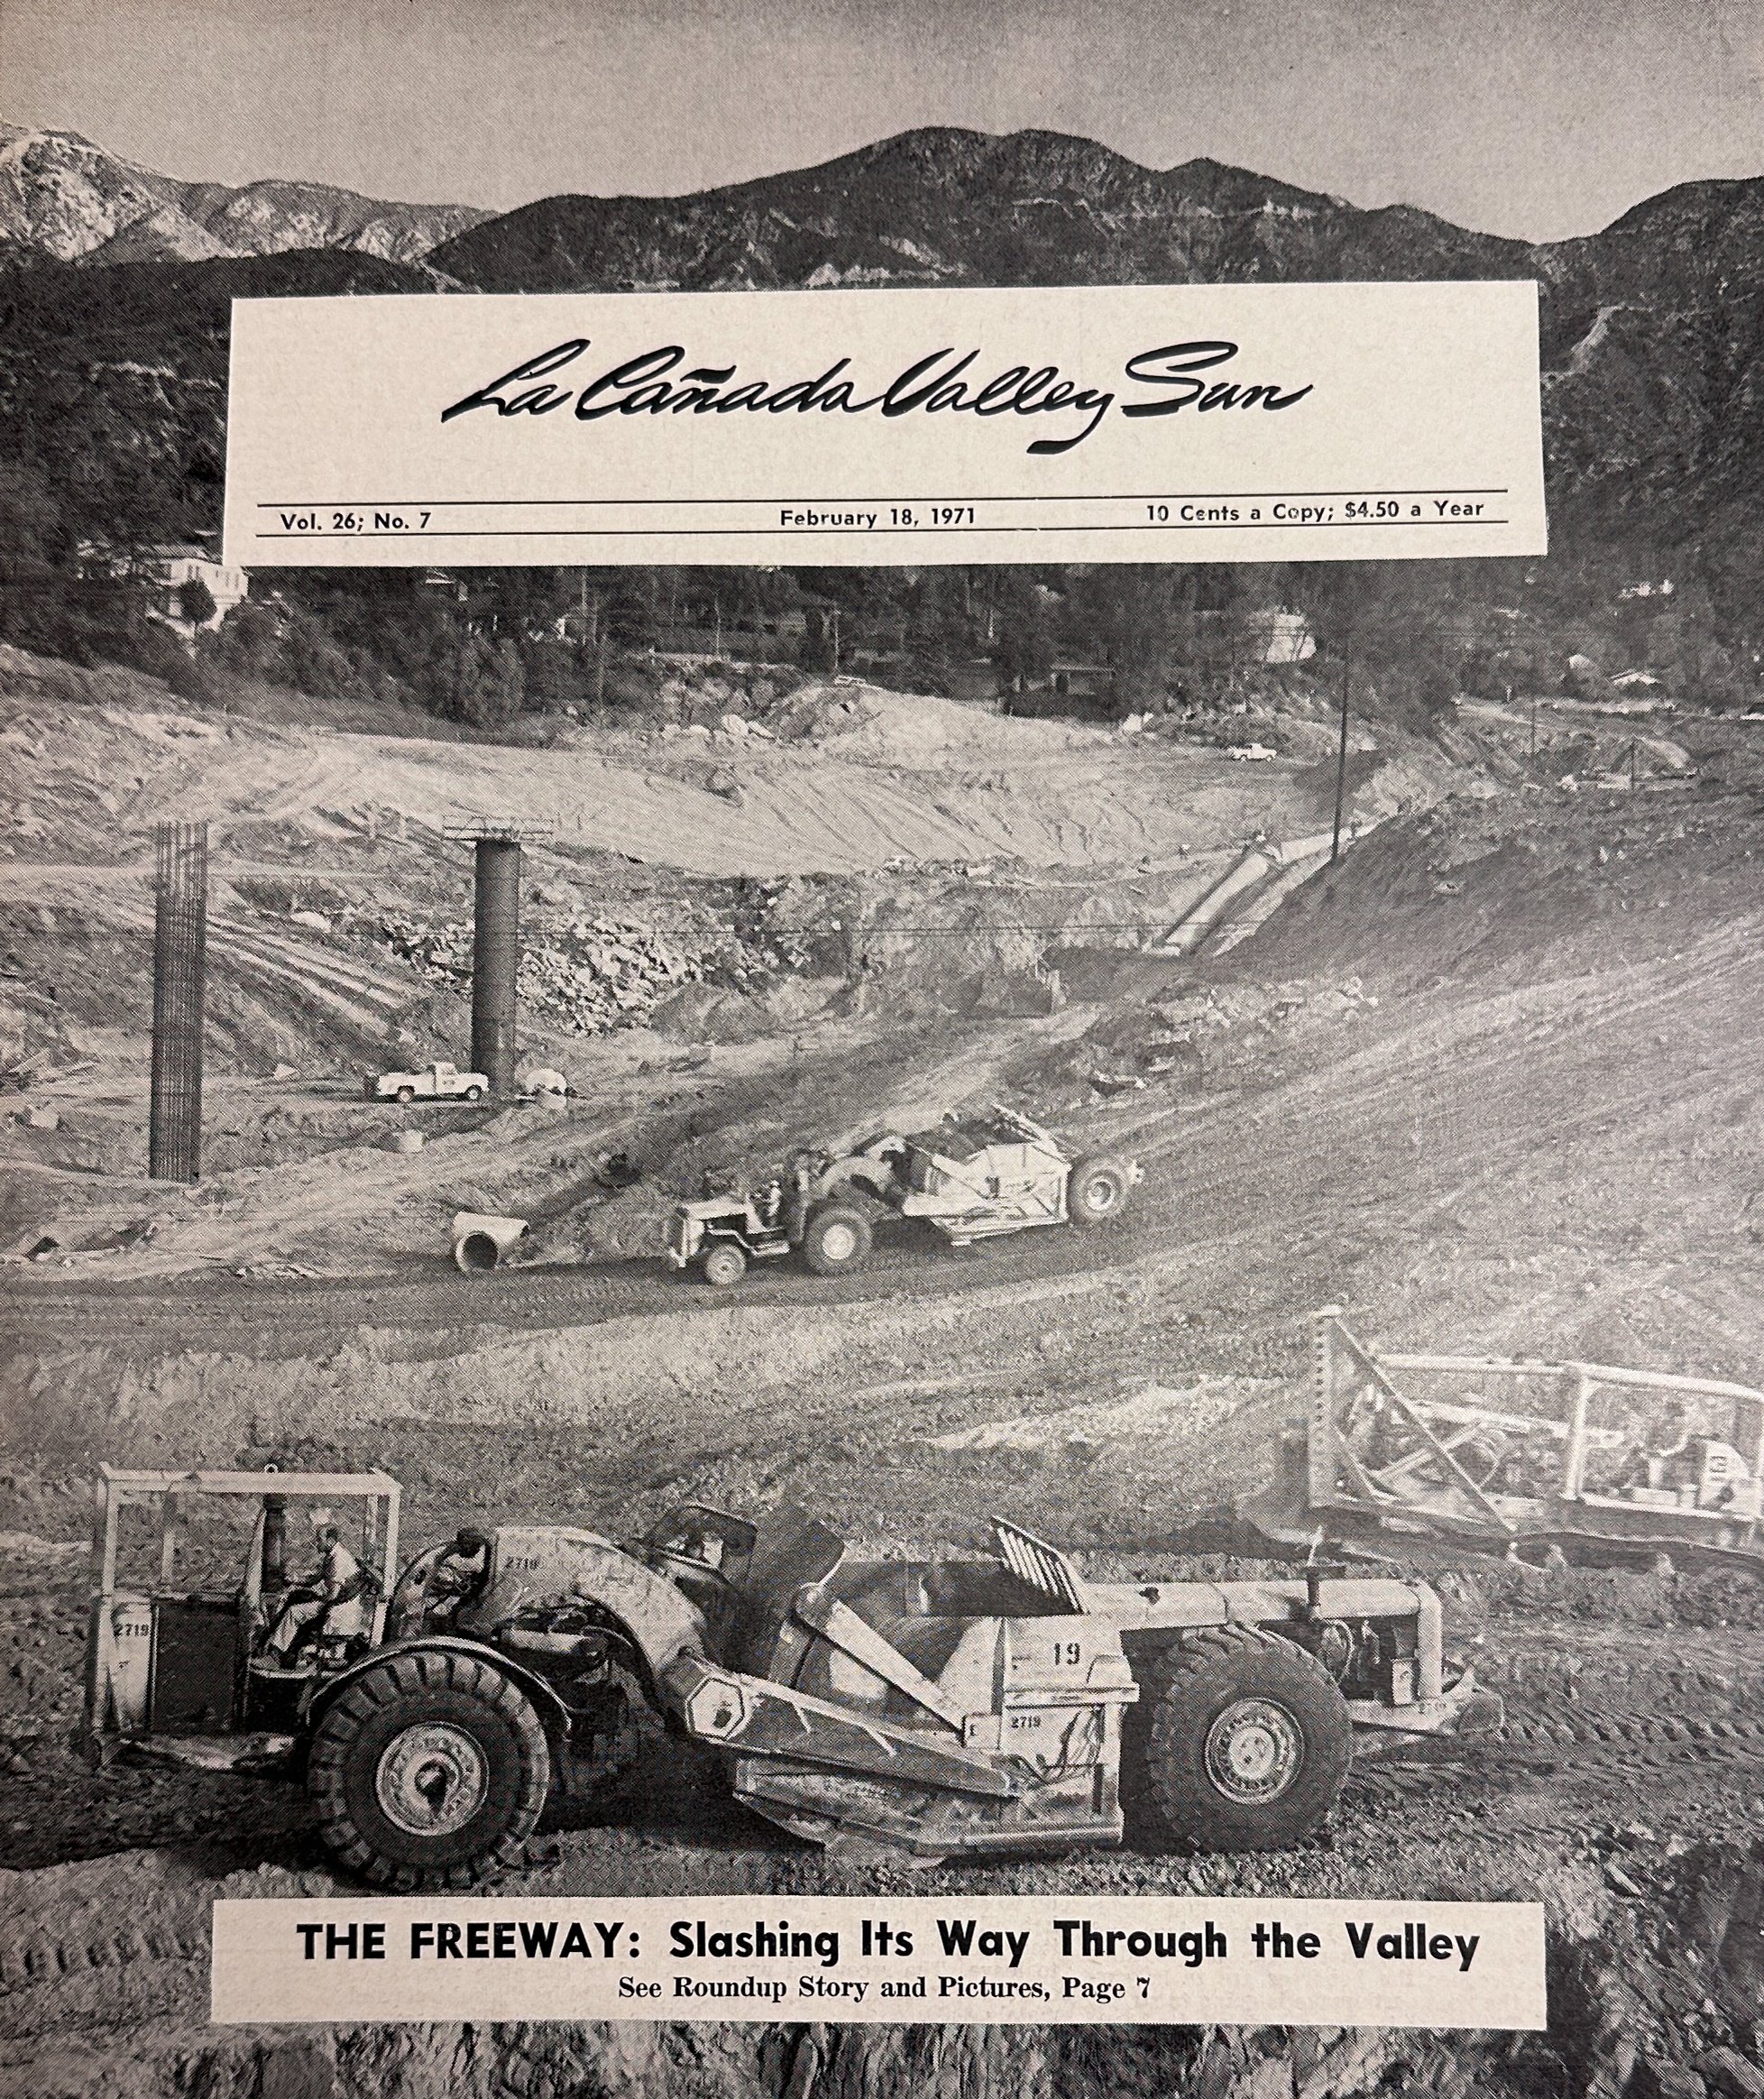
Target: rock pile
pixel 594 974
pixel 587 975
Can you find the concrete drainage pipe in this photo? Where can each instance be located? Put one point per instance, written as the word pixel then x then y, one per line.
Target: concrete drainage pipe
pixel 480 1243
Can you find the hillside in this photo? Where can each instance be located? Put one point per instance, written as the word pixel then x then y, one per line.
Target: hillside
pixel 700 888
pixel 943 205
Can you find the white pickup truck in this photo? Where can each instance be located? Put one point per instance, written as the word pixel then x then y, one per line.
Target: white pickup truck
pixel 434 1082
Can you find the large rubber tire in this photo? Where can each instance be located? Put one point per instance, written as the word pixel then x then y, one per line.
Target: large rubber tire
pixel 405 1096
pixel 382 1754
pixel 836 1239
pixel 1096 1191
pixel 474 1092
pixel 1240 1742
pixel 722 1265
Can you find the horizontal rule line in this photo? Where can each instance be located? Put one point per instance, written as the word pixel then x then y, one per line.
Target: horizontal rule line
pixel 859 532
pixel 571 502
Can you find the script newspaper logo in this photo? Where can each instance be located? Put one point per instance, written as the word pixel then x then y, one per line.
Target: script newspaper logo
pixel 1293 422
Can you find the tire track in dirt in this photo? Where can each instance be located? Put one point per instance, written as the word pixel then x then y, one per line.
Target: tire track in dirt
pixel 1335 1117
pixel 935 782
pixel 177 1311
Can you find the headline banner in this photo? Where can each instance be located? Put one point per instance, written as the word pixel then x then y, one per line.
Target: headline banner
pixel 1231 422
pixel 1020 1960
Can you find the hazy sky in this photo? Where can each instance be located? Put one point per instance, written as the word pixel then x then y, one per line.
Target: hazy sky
pixel 1536 117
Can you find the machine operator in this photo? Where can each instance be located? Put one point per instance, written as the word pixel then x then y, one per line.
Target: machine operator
pixel 331 1595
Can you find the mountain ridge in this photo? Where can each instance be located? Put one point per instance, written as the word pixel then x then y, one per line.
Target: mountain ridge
pixel 88 199
pixel 947 204
pixel 64 197
pixel 1652 330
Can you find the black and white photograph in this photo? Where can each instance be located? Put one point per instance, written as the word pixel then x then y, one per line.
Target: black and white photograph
pixel 881 1138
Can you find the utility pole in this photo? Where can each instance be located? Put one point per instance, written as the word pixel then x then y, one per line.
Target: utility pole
pixel 1341 756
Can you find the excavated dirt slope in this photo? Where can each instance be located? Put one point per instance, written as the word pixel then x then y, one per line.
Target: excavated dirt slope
pixel 911 778
pixel 749 917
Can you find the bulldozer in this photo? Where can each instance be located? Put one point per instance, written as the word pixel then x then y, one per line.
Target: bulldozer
pixel 973 1177
pixel 1607 1465
pixel 913 1709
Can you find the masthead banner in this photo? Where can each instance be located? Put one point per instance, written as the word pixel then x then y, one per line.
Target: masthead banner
pixel 1267 422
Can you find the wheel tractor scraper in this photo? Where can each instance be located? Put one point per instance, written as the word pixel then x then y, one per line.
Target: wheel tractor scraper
pixel 917 1709
pixel 973 1177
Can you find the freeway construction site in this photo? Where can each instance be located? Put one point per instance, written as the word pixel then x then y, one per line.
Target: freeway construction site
pixel 1487 1085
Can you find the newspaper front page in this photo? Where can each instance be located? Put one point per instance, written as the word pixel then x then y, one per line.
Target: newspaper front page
pixel 880 1188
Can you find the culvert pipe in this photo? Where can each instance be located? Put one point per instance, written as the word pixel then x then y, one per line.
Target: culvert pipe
pixel 480 1242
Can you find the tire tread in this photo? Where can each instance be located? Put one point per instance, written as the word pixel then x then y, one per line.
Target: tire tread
pixel 862 1230
pixel 1157 1786
pixel 416 1676
pixel 1082 1169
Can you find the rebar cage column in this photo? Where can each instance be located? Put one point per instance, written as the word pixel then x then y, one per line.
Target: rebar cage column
pixel 181 939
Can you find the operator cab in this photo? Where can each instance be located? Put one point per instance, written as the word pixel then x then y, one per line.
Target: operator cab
pixel 439 1584
pixel 204 1640
pixel 706 1555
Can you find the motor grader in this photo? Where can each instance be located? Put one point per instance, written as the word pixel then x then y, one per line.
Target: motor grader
pixel 973 1177
pixel 920 1709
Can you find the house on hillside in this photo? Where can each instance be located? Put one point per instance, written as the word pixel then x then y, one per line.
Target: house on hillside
pixel 808 612
pixel 1640 692
pixel 474 605
pixel 1082 681
pixel 171 567
pixel 164 571
pixel 1284 637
